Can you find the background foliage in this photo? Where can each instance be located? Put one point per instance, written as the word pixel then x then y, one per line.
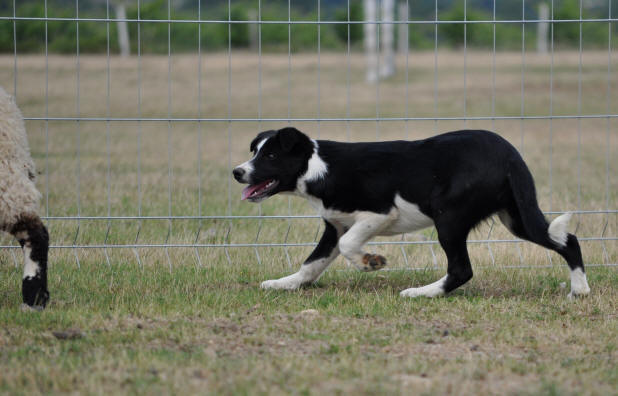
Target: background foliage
pixel 30 35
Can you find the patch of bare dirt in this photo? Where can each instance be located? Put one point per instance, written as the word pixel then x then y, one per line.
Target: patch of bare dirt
pixel 69 334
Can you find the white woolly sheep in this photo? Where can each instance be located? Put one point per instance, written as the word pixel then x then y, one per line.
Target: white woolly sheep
pixel 19 202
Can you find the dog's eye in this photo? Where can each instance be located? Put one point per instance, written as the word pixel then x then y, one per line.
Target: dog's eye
pixel 271 156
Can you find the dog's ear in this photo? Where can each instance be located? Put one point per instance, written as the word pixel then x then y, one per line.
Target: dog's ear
pixel 288 137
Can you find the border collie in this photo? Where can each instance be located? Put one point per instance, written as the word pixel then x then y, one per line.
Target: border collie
pixel 451 181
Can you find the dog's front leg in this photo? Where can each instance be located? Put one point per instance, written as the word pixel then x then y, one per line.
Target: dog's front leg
pixel 323 254
pixel 365 228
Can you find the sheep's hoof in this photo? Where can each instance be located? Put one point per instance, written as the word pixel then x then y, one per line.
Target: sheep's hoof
pixel 33 308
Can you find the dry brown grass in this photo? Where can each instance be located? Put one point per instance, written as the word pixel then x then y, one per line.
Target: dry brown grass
pixel 577 182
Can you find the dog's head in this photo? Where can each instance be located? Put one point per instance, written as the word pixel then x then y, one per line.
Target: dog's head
pixel 279 159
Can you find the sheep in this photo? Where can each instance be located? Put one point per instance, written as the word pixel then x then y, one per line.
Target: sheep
pixel 19 203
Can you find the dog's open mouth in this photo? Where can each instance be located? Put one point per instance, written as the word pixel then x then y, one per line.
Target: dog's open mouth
pixel 256 192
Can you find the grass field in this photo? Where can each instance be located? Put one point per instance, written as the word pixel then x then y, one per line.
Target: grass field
pixel 211 330
pixel 194 320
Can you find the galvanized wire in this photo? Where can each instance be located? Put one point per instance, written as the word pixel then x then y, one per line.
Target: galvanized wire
pixel 607 129
pixel 280 244
pixel 306 22
pixel 78 136
pixel 199 131
pixel 108 138
pixel 324 119
pixel 108 119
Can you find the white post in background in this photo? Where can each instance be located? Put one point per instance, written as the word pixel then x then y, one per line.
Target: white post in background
pixel 542 29
pixel 370 8
pixel 402 33
pixel 387 67
pixel 123 32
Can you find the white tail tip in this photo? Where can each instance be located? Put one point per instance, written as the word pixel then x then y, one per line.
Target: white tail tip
pixel 558 229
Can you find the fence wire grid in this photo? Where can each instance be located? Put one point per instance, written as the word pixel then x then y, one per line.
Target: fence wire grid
pixel 84 153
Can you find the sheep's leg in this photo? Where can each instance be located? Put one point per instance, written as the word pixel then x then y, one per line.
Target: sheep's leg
pixel 34 240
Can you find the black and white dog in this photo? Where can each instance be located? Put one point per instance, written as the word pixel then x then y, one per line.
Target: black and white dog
pixel 451 181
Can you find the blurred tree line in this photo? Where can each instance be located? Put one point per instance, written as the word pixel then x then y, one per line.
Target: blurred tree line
pixel 93 36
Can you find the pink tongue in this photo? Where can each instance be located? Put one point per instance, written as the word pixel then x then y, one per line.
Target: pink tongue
pixel 247 191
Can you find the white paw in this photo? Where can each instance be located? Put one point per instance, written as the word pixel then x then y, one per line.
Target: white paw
pixel 432 290
pixel 579 284
pixel 425 291
pixel 581 292
pixel 291 282
pixel 411 292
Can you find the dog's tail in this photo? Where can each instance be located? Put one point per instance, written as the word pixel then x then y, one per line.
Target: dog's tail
pixel 533 221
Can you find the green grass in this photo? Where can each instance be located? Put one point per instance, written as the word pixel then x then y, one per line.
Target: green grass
pixel 213 330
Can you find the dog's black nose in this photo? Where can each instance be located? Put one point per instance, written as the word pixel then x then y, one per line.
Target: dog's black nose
pixel 238 173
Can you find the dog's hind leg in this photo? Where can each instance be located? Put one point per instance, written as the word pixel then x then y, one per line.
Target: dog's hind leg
pixel 324 253
pixel 459 270
pixel 365 227
pixel 553 236
pixel 524 218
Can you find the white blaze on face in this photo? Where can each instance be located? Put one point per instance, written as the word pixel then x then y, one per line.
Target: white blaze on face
pixel 260 145
pixel 248 166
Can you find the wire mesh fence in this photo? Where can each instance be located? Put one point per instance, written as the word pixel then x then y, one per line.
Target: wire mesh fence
pixel 135 152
